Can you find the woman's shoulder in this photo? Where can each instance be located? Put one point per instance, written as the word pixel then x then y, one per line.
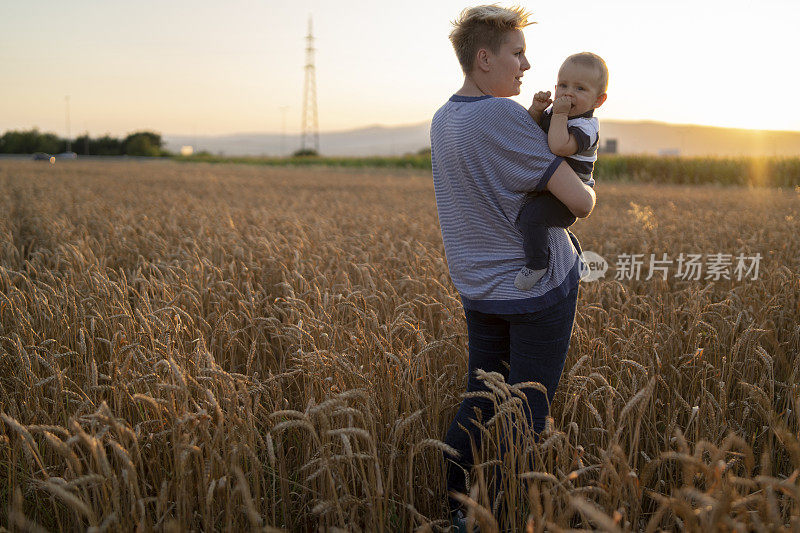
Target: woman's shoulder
pixel 496 118
pixel 486 103
pixel 507 116
pixel 505 104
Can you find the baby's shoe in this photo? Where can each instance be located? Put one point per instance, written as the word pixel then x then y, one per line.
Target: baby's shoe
pixel 459 521
pixel 527 278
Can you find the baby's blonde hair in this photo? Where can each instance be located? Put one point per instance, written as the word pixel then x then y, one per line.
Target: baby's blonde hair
pixel 484 27
pixel 588 59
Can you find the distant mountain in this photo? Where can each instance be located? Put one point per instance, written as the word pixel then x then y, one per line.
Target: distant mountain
pixel 631 137
pixel 372 140
pixel 661 138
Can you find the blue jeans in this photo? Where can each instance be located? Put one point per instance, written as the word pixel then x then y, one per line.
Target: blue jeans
pixel 535 346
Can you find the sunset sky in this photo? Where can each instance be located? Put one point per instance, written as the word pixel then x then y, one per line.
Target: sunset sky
pixel 205 67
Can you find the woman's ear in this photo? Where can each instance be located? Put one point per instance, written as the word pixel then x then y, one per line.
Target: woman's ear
pixel 482 60
pixel 600 100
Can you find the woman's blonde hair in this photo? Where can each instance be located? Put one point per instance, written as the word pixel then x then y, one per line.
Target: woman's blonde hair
pixel 484 27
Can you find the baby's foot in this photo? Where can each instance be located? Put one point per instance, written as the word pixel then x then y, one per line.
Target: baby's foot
pixel 527 278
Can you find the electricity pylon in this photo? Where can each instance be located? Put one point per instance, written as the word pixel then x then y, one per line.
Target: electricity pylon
pixel 309 139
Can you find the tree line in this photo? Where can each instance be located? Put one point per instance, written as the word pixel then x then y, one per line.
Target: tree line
pixel 142 143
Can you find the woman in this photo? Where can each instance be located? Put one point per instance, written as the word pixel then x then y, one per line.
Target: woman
pixel 487 153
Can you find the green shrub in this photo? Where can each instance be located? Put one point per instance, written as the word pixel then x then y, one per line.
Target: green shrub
pixel 750 171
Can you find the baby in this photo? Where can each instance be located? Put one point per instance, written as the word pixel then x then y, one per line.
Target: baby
pixel 572 132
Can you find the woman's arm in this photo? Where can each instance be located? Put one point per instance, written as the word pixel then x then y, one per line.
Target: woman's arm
pixel 568 187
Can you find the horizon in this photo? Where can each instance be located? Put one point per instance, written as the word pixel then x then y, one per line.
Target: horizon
pixel 393 126
pixel 201 69
pixel 421 122
pixel 383 126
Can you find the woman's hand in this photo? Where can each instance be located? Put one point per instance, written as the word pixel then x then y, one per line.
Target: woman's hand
pixel 573 193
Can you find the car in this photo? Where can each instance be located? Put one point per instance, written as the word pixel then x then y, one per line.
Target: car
pixel 41 156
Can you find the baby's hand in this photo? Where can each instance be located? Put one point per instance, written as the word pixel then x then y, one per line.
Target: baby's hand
pixel 541 101
pixel 562 104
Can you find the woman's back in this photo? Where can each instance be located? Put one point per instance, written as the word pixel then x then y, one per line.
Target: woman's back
pixel 487 153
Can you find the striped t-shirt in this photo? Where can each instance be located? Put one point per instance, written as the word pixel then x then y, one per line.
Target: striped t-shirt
pixel 486 154
pixel 585 129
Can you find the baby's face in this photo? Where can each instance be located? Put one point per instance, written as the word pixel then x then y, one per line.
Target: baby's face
pixel 579 84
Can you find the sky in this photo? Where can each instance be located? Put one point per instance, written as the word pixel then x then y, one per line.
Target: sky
pixel 209 68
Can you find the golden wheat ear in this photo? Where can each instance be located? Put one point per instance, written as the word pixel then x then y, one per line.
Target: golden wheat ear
pixel 256 347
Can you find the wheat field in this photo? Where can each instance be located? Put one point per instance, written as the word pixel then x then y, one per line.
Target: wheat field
pixel 221 347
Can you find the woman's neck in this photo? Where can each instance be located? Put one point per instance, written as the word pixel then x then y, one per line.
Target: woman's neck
pixel 471 88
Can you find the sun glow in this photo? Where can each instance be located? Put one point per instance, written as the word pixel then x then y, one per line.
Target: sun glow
pixel 223 69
